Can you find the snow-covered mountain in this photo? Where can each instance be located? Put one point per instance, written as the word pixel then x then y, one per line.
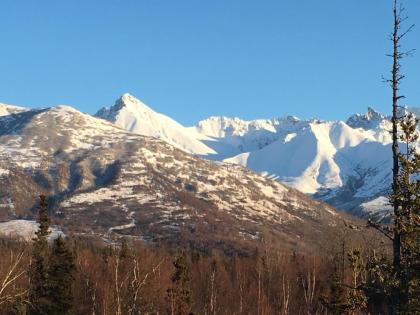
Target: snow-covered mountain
pixel 232 136
pixel 344 163
pixel 133 115
pixel 102 179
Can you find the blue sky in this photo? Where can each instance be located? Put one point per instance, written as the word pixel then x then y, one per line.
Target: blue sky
pixel 191 59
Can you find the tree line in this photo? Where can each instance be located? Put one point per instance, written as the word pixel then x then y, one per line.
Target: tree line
pixel 83 275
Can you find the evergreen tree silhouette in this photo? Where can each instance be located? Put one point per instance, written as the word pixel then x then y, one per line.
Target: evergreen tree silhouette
pixel 61 278
pixel 180 295
pixel 38 270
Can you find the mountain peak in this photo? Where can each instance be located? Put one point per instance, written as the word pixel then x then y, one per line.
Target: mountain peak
pixel 127 98
pixel 131 102
pixel 126 102
pixel 65 108
pixel 367 121
pixel 126 95
pixel 372 114
pixel 133 115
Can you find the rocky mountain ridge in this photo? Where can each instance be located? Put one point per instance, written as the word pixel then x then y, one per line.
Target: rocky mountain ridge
pixel 104 180
pixel 346 164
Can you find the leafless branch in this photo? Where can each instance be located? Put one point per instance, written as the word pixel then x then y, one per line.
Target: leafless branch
pixel 384 230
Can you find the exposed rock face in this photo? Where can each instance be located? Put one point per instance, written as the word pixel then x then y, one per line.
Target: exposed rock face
pixel 369 120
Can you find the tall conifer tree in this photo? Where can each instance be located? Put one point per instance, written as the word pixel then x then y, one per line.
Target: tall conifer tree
pixel 408 197
pixel 60 278
pixel 38 273
pixel 180 295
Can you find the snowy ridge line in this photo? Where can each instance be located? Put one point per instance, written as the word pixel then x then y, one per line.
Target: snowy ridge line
pixel 106 181
pixel 343 163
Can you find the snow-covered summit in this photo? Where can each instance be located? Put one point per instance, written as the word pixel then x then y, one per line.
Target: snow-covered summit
pixel 125 102
pixel 245 135
pixel 221 126
pixel 133 115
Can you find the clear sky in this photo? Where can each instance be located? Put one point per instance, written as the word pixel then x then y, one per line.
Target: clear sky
pixel 191 59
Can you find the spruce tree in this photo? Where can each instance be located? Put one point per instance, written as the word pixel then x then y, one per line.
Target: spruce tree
pixel 379 284
pixel 347 298
pixel 38 271
pixel 60 278
pixel 180 295
pixel 335 302
pixel 124 249
pixel 408 197
pixel 401 286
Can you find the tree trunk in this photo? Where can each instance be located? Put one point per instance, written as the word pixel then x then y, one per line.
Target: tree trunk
pixel 395 149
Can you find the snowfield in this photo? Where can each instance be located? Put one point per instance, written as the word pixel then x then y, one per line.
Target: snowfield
pixel 25 229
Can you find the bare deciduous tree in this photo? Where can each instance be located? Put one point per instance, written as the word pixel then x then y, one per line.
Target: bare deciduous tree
pixel 13 273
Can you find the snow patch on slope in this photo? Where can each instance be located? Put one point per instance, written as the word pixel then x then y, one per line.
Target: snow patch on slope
pixel 377 206
pixel 25 229
pixel 6 109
